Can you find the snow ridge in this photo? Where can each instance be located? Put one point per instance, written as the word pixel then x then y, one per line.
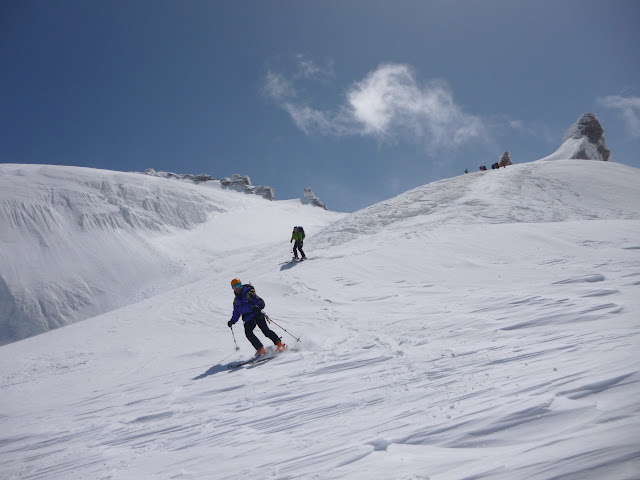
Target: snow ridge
pixel 536 192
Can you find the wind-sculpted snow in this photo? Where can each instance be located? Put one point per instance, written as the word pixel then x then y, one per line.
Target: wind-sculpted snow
pixel 101 219
pixel 528 193
pixel 113 225
pixel 440 361
pixel 43 198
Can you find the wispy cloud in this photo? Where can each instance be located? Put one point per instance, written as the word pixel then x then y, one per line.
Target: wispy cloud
pixel 308 69
pixel 387 104
pixel 629 107
pixel 278 87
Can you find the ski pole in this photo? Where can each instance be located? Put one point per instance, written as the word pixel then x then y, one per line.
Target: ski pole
pixel 213 369
pixel 271 321
pixel 220 362
pixel 234 339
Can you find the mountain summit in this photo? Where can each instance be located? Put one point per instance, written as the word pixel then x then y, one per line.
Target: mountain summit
pixel 583 141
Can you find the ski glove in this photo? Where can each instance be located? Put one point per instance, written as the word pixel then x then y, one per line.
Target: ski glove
pixel 256 309
pixel 229 323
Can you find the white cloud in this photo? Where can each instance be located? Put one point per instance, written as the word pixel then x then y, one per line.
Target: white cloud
pixel 629 107
pixel 389 101
pixel 386 105
pixel 278 87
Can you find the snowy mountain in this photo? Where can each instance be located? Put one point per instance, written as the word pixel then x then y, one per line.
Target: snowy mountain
pixel 483 327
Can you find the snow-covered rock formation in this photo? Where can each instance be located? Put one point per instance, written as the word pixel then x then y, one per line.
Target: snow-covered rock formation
pixel 203 177
pixel 239 183
pixel 583 141
pixel 310 199
pixel 242 183
pixel 505 159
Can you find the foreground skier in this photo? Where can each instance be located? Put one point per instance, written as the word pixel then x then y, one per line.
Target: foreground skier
pixel 248 304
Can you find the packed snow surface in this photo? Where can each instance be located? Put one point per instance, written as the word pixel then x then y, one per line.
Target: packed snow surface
pixel 482 327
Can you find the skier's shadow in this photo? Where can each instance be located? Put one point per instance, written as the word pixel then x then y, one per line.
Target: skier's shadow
pixel 289 265
pixel 213 370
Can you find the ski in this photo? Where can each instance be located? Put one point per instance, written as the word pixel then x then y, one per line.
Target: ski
pixel 293 260
pixel 254 360
pixel 251 361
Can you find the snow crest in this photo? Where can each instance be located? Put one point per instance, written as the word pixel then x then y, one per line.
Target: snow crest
pixel 537 192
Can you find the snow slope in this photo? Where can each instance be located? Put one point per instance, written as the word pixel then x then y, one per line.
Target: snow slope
pixel 77 242
pixel 482 327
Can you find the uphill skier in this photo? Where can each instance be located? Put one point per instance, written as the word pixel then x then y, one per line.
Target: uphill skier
pixel 298 236
pixel 248 304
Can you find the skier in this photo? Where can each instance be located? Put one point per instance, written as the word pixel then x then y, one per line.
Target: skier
pixel 248 304
pixel 298 236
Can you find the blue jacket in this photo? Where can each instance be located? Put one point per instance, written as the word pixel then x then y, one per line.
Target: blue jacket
pixel 244 304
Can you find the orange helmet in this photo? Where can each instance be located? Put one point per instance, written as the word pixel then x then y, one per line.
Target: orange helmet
pixel 235 282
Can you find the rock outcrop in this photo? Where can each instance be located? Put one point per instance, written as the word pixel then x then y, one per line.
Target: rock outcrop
pixel 310 199
pixel 505 160
pixel 203 177
pixel 583 141
pixel 242 183
pixel 239 183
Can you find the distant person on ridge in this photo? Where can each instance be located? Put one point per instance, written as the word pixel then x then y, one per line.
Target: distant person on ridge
pixel 248 304
pixel 298 236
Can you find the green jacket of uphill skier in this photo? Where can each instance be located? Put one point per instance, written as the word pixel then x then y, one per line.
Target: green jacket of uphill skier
pixel 298 237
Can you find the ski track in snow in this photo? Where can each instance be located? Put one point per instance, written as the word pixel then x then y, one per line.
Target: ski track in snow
pixel 485 351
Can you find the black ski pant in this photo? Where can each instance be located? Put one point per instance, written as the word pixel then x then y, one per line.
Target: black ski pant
pixel 259 320
pixel 297 245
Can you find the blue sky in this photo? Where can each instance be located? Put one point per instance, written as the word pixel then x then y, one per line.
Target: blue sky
pixel 360 100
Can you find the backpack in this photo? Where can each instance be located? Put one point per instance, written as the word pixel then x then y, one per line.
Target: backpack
pixel 252 296
pixel 301 230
